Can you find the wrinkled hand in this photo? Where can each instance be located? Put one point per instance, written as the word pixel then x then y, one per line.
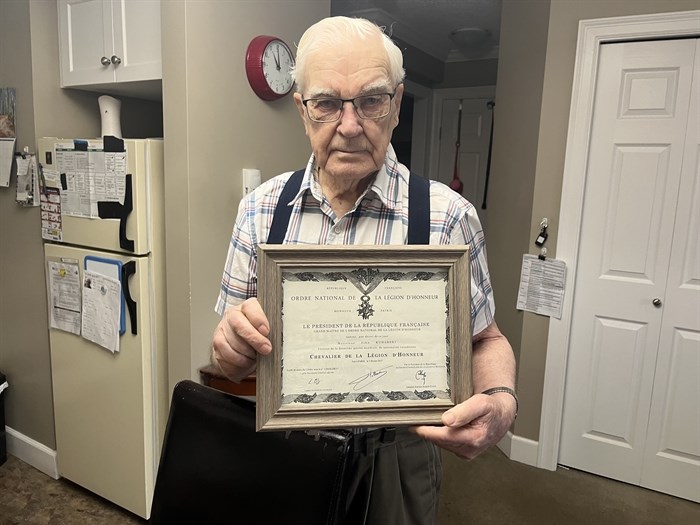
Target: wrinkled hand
pixel 239 337
pixel 472 426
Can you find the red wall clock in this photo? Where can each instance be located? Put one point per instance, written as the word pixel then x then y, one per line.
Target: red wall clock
pixel 268 63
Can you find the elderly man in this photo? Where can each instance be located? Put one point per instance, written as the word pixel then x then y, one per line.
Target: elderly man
pixel 349 78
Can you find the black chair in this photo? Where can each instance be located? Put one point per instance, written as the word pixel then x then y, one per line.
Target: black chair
pixel 214 467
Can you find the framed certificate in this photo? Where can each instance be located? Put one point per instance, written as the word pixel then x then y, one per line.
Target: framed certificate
pixel 363 335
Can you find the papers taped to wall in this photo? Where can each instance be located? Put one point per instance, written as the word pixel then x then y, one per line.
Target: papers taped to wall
pixel 28 187
pixel 541 288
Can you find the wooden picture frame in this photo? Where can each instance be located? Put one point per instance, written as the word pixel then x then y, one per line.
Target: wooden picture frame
pixel 363 335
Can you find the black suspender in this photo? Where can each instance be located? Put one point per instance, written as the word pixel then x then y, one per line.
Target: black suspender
pixel 418 209
pixel 280 220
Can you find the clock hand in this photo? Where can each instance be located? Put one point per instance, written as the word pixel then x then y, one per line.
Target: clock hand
pixel 277 60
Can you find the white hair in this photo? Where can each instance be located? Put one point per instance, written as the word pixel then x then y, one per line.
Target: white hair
pixel 340 31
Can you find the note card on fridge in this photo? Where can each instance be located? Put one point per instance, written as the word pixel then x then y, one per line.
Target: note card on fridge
pixel 64 296
pixel 113 269
pixel 101 305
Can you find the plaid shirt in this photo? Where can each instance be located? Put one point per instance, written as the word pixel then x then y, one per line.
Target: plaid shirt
pixel 383 219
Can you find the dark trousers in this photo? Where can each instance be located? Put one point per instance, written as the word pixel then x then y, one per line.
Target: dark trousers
pixel 395 479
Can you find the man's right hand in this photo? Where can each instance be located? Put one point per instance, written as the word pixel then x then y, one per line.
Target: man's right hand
pixel 239 337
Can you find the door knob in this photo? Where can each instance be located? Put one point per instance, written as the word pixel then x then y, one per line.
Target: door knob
pixel 657 302
pixel 116 60
pixel 105 61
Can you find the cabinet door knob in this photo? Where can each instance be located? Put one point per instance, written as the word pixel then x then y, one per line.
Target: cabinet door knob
pixel 105 61
pixel 656 302
pixel 116 60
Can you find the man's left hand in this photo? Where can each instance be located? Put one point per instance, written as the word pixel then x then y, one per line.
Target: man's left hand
pixel 472 426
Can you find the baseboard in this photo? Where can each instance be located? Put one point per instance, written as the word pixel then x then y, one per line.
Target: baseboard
pixel 523 450
pixel 32 452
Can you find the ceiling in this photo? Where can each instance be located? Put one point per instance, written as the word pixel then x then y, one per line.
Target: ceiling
pixel 427 24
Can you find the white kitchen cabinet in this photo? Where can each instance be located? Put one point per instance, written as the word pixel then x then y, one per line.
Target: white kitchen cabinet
pixel 105 42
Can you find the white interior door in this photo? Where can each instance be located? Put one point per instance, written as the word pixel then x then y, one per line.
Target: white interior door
pixel 629 353
pixel 473 149
pixel 672 453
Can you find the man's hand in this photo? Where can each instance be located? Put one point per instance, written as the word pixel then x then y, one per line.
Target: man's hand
pixel 472 426
pixel 482 420
pixel 239 337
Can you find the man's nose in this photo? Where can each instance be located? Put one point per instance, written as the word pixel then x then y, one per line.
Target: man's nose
pixel 349 119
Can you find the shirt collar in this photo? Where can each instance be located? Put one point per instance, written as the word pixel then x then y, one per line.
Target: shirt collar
pixel 385 184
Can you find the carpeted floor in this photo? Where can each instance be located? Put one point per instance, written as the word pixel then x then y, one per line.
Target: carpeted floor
pixel 491 490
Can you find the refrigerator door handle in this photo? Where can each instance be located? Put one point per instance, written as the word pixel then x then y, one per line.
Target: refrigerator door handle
pixel 128 269
pixel 114 210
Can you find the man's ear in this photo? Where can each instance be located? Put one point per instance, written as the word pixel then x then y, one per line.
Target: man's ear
pixel 398 95
pixel 300 108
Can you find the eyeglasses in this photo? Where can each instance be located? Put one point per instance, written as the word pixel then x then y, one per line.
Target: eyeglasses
pixel 366 106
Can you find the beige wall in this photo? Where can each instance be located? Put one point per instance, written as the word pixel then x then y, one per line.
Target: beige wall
pixel 42 108
pixel 548 146
pixel 514 158
pixel 215 126
pixel 29 62
pixel 24 355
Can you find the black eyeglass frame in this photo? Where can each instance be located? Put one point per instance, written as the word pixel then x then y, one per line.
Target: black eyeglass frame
pixel 342 106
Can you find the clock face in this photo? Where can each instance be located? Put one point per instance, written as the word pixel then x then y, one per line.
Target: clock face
pixel 268 66
pixel 277 62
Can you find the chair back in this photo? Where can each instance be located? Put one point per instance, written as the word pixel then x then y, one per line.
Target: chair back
pixel 215 468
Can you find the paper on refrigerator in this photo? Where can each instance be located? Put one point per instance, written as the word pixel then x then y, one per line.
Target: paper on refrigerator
pixel 101 310
pixel 90 176
pixel 51 220
pixel 64 300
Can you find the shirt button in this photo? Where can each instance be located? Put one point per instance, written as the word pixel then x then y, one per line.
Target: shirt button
pixel 337 230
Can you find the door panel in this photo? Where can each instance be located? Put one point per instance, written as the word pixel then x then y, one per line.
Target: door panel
pixel 636 191
pixel 86 36
pixel 137 39
pixel 619 338
pixel 617 356
pixel 672 453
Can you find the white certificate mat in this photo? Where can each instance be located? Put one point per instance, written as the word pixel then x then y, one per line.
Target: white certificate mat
pixel 364 335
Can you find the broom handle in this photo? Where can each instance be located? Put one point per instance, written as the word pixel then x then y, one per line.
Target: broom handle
pixel 455 174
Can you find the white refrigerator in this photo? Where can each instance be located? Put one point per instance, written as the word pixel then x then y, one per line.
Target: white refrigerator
pixel 106 215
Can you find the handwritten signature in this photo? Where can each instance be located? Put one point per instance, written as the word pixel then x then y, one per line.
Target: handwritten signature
pixel 369 378
pixel 421 375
